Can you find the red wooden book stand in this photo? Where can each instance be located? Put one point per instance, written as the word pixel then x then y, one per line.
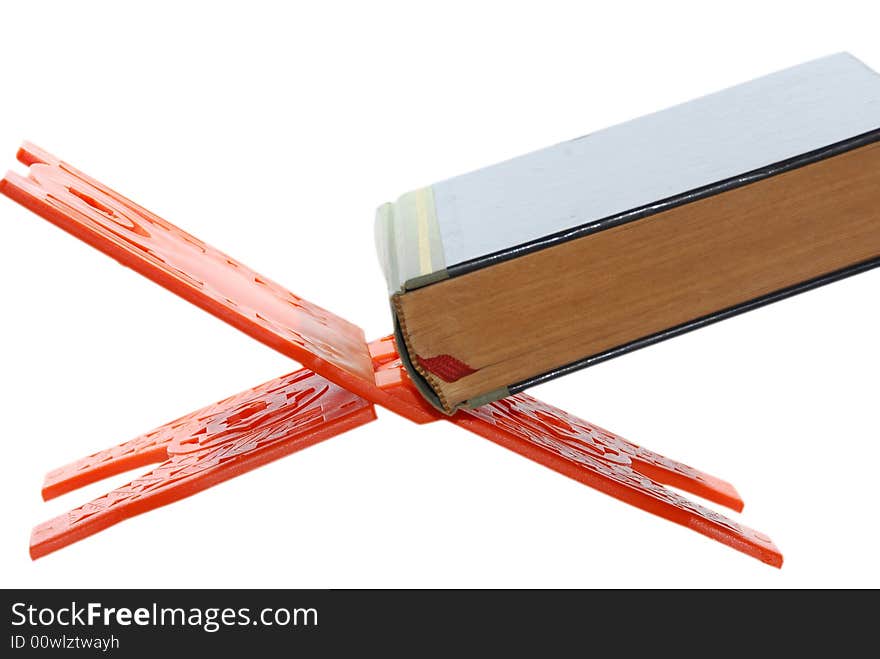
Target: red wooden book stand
pixel 343 377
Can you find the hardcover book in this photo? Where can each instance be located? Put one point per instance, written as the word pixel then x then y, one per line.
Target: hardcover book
pixel 554 261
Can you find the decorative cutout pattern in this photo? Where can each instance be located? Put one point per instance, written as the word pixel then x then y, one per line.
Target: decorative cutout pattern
pixel 611 464
pixel 202 449
pixel 185 265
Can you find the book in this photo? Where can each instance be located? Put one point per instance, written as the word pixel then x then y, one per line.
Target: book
pixel 526 270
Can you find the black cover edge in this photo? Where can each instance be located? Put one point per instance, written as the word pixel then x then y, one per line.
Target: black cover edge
pixel 664 204
pixel 703 321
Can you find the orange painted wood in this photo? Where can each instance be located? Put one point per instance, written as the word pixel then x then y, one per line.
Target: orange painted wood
pixel 290 413
pixel 319 340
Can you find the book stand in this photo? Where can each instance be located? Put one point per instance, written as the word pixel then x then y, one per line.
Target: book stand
pixel 343 377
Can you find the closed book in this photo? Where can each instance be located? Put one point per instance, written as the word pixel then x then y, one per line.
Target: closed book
pixel 559 259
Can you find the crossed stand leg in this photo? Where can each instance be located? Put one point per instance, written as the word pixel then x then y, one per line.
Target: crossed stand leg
pixel 343 378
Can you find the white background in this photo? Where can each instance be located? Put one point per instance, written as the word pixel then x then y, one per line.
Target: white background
pixel 272 132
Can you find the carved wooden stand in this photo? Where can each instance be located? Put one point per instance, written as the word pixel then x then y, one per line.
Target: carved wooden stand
pixel 343 378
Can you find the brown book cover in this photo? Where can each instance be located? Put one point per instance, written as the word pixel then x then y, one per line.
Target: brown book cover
pixel 524 271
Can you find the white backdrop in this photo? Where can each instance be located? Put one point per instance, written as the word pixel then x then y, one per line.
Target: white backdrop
pixel 273 133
